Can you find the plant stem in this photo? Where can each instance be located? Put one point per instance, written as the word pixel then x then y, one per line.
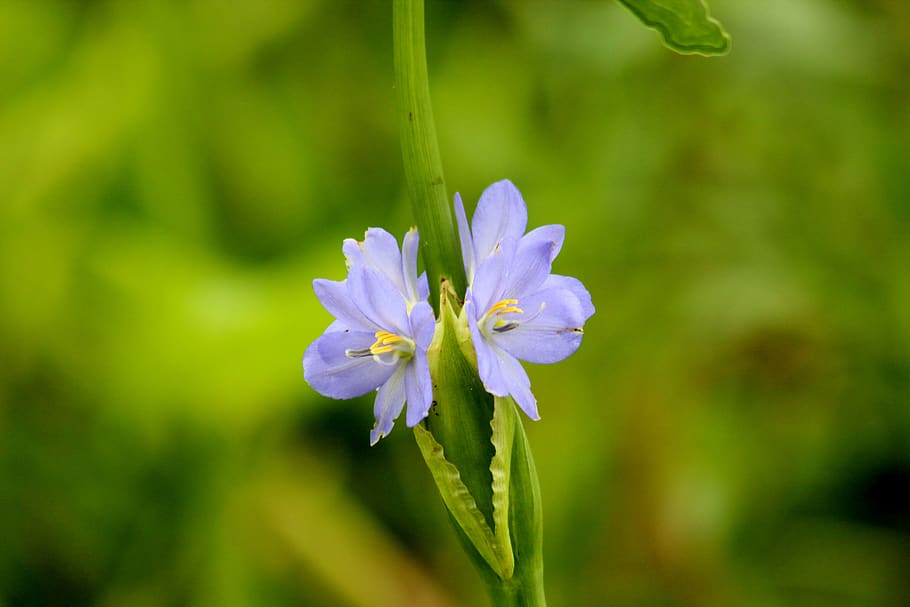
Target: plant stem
pixel 464 431
pixel 422 165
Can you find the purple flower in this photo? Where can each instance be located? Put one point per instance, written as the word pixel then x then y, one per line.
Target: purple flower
pixel 515 308
pixel 381 333
pixel 379 250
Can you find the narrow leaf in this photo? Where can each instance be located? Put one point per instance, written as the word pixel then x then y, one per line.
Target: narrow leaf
pixel 686 26
pixel 503 439
pixel 460 503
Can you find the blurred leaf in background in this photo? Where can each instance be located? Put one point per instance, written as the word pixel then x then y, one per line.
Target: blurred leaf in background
pixel 735 430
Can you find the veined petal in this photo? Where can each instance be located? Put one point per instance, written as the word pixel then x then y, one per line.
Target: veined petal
pixel 389 403
pixel 500 372
pixel 379 300
pixel 418 387
pixel 528 269
pixel 550 335
pixel 423 324
pixel 409 248
pixel 556 281
pixel 518 382
pixel 378 250
pixel 490 278
pixel 500 213
pixel 553 233
pixel 332 373
pixel 335 297
pixel 487 363
pixel 464 234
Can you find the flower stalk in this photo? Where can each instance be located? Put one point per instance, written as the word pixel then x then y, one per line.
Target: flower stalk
pixel 473 443
pixel 420 151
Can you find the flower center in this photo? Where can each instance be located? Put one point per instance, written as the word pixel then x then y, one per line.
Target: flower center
pixel 493 320
pixel 388 348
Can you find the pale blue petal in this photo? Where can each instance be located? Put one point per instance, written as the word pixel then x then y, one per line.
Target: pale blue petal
pixel 423 324
pixel 554 234
pixel 334 297
pixel 489 280
pixel 556 281
pixel 378 299
pixel 353 253
pixel 331 373
pixel 528 269
pixel 409 248
pixel 378 250
pixel 487 363
pixel 423 287
pixel 418 387
pixel 501 213
pixel 337 325
pixel 518 383
pixel 464 234
pixel 550 336
pixel 389 403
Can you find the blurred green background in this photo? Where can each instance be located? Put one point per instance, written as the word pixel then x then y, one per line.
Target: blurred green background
pixel 735 429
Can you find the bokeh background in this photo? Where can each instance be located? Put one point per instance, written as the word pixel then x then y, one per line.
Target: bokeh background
pixel 735 430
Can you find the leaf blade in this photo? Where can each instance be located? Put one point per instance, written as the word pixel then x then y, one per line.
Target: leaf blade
pixel 503 424
pixel 459 501
pixel 686 26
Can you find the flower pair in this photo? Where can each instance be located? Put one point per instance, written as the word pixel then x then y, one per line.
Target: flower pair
pixel 514 309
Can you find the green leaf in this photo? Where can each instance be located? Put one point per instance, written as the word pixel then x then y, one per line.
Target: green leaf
pixel 503 439
pixel 461 504
pixel 685 25
pixel 482 438
pixel 460 419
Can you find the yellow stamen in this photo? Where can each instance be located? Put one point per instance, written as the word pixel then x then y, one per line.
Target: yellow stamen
pixel 505 306
pixel 385 342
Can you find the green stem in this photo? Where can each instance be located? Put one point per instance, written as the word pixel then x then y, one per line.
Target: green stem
pixel 462 424
pixel 422 165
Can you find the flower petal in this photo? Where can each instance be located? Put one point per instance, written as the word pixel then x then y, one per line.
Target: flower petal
pixel 418 387
pixel 389 403
pixel 528 268
pixel 423 324
pixel 489 280
pixel 464 234
pixel 409 248
pixel 556 281
pixel 553 233
pixel 335 297
pixel 378 250
pixel 353 253
pixel 500 213
pixel 487 363
pixel 501 373
pixel 330 372
pixel 423 287
pixel 378 299
pixel 550 336
pixel 518 382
